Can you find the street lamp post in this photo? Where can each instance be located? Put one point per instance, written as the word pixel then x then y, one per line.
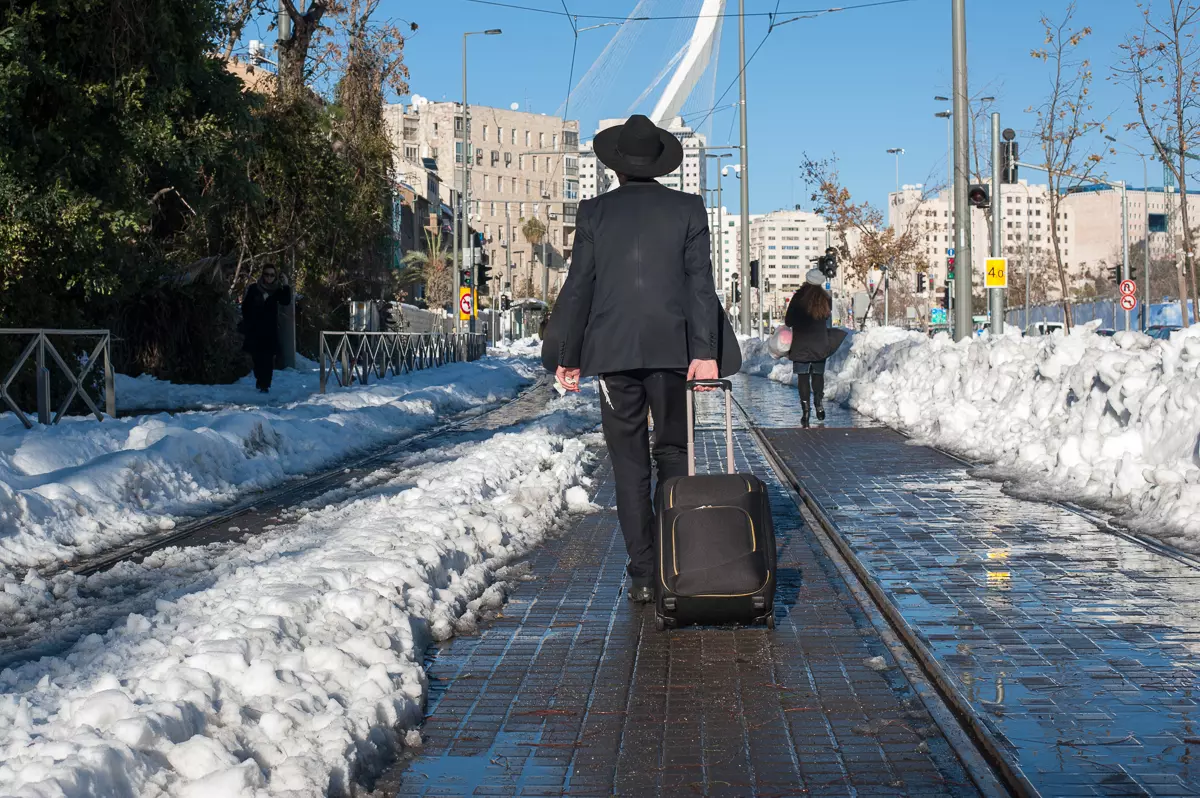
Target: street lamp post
pixel 465 192
pixel 720 221
pixel 1145 231
pixel 897 151
pixel 949 116
pixel 744 173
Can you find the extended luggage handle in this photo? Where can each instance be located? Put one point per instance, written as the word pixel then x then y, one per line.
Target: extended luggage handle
pixel 727 386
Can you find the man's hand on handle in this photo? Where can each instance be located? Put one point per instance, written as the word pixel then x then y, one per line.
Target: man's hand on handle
pixel 568 378
pixel 703 370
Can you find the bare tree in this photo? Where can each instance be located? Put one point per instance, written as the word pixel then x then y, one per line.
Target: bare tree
pixel 1161 65
pixel 1064 122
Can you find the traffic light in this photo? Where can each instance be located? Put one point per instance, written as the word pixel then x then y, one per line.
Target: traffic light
pixel 949 268
pixel 754 274
pixel 466 277
pixel 1133 272
pixel 827 263
pixel 1008 158
pixel 485 277
pixel 946 298
pixel 979 196
pixel 505 302
pixel 920 282
pixel 1114 275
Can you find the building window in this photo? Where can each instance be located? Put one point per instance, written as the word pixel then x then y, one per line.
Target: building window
pixel 554 142
pixel 522 210
pixel 520 161
pixel 541 140
pixel 458 124
pixel 528 186
pixel 514 185
pixel 514 135
pixel 458 158
pixel 433 153
pixel 499 135
pixel 435 128
pixel 410 153
pixel 495 157
pixel 493 209
pixel 486 180
pixel 527 138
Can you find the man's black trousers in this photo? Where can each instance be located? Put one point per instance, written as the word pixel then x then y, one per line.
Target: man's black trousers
pixel 624 399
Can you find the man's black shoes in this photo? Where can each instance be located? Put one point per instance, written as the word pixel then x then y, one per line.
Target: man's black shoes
pixel 641 595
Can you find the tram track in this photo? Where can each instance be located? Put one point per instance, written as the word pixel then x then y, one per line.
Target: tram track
pixel 98 601
pixel 986 759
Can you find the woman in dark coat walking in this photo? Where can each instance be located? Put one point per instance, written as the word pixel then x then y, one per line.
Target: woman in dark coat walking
pixel 813 341
pixel 260 322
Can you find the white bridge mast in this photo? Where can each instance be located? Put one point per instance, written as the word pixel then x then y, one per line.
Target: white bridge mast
pixel 695 60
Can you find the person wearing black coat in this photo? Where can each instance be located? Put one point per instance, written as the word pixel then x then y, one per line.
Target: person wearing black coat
pixel 260 322
pixel 640 311
pixel 813 341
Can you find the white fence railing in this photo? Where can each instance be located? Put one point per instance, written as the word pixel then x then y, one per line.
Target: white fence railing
pixel 39 346
pixel 353 357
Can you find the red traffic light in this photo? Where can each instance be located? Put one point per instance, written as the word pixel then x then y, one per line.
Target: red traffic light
pixel 978 196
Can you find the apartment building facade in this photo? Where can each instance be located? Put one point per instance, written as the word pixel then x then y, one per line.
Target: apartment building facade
pixel 522 166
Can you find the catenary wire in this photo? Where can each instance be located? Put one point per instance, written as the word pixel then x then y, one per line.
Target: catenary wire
pixel 826 10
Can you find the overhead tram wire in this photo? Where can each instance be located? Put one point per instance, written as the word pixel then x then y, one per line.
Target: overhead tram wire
pixel 801 12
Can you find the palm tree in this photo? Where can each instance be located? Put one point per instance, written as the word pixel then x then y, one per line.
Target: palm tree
pixel 534 231
pixel 431 267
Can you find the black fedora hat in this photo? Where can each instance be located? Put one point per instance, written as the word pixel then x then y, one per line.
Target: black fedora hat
pixel 638 148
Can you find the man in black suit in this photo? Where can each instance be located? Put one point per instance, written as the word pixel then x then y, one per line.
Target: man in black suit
pixel 639 311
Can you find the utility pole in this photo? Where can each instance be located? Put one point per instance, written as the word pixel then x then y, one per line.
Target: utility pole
pixel 1125 244
pixel 963 316
pixel 996 295
pixel 745 171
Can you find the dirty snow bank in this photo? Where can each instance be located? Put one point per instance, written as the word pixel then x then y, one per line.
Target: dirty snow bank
pixel 1114 422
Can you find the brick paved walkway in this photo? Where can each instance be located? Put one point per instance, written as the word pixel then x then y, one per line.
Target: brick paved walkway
pixel 572 692
pixel 1079 648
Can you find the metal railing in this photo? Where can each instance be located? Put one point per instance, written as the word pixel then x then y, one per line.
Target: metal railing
pixel 353 357
pixel 39 346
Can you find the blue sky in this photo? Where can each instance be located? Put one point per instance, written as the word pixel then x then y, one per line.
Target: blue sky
pixel 852 83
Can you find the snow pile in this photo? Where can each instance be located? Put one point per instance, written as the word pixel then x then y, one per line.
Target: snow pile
pixel 80 487
pixel 295 664
pixel 1114 422
pixel 759 362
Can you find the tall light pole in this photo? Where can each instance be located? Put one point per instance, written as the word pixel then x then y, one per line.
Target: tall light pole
pixel 1145 230
pixel 949 117
pixel 897 151
pixel 720 222
pixel 963 315
pixel 996 295
pixel 745 171
pixel 465 191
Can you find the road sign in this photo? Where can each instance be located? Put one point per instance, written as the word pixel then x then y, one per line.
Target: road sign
pixel 1128 288
pixel 997 273
pixel 466 303
pixel 950 252
pixel 1128 302
pixel 937 316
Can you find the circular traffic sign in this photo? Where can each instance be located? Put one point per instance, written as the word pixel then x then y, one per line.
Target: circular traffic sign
pixel 1128 302
pixel 1128 287
pixel 464 304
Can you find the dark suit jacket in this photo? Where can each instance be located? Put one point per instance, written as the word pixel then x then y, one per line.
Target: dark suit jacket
pixel 640 290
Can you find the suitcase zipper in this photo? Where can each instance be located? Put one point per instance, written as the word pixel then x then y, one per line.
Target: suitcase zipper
pixel 675 548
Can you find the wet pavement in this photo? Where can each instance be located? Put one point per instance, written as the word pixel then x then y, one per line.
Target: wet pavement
pixel 1080 649
pixel 571 691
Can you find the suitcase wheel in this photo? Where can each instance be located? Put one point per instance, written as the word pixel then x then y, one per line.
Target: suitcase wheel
pixel 659 623
pixel 770 621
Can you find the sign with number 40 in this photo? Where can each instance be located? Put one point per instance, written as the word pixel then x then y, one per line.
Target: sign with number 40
pixel 997 273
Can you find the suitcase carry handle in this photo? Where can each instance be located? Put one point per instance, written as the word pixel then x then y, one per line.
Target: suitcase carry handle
pixel 727 386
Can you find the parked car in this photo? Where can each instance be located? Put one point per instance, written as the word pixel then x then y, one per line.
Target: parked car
pixel 1107 333
pixel 1044 328
pixel 1162 331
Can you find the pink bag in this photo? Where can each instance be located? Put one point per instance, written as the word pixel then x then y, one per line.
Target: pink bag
pixel 780 342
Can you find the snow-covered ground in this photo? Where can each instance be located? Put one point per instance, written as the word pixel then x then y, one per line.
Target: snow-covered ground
pixel 295 661
pixel 83 486
pixel 756 360
pixel 1111 422
pixel 146 393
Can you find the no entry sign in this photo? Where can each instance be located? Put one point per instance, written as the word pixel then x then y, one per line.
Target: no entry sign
pixel 465 303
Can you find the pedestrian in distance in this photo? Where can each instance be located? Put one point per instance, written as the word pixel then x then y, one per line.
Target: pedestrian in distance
pixel 260 322
pixel 639 311
pixel 813 341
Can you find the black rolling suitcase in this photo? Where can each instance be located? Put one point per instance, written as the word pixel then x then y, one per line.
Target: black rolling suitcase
pixel 716 541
